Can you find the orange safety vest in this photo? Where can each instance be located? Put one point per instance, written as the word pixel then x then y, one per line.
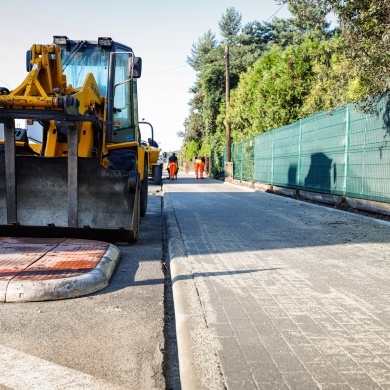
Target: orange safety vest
pixel 172 169
pixel 199 167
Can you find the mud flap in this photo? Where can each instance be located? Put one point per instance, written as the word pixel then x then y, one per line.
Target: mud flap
pixel 107 200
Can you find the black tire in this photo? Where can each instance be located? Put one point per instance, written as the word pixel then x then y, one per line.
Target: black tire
pixel 157 174
pixel 134 235
pixel 134 188
pixel 144 190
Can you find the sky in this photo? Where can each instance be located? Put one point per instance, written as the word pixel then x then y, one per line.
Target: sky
pixel 160 32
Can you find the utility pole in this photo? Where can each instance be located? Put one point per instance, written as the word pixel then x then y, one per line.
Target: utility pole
pixel 228 141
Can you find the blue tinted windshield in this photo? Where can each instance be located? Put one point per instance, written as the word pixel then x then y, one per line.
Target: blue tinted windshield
pixel 77 64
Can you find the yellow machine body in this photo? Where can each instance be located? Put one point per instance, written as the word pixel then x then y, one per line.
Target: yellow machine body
pixel 155 166
pixel 88 175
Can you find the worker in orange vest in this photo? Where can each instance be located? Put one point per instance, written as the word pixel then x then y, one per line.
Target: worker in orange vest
pixel 172 167
pixel 199 167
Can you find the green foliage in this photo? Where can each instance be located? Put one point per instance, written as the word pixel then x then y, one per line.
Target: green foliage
pixel 217 148
pixel 257 35
pixel 272 93
pixel 213 90
pixel 201 50
pixel 365 27
pixel 209 89
pixel 335 80
pixel 284 70
pixel 366 32
pixel 310 17
pixel 193 127
pixel 191 150
pixel 230 25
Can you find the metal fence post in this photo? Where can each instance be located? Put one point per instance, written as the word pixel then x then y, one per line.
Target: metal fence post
pixel 272 157
pixel 346 147
pixel 299 153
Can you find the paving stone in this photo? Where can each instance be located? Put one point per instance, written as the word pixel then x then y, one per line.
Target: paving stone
pixel 272 386
pixel 360 381
pixel 300 381
pixel 344 363
pixel 324 373
pixel 287 362
pixel 235 380
pixel 255 353
pixel 231 356
pixel 222 329
pixel 265 371
pixel 308 354
pixel 295 337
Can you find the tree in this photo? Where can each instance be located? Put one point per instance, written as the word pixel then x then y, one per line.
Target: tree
pixel 366 32
pixel 334 83
pixel 365 27
pixel 230 26
pixel 274 67
pixel 256 33
pixel 310 17
pixel 201 51
pixel 207 59
pixel 285 85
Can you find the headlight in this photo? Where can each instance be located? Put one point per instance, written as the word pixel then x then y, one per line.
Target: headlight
pixel 60 40
pixel 104 42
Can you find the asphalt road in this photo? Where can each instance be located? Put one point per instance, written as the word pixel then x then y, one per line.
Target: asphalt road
pixel 113 339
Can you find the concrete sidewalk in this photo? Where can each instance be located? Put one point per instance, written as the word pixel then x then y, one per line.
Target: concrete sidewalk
pixel 275 293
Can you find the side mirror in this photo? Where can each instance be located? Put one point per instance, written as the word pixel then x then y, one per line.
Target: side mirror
pixel 137 67
pixel 134 67
pixel 28 60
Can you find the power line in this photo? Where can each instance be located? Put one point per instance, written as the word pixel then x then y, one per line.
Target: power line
pixel 274 13
pixel 166 70
pixel 184 66
pixel 4 83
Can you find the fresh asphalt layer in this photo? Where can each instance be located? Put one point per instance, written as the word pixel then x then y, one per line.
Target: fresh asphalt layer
pixel 110 339
pixel 275 293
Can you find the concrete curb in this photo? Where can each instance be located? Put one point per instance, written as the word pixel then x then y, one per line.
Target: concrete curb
pixel 54 289
pixel 326 200
pixel 196 350
pixel 371 206
pixel 180 287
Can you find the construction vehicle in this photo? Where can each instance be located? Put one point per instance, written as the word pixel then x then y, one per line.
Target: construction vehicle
pixel 88 177
pixel 155 166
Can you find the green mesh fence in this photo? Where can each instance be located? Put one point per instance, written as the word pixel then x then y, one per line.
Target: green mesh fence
pixel 263 158
pixel 322 152
pixel 368 168
pixel 243 159
pixel 346 152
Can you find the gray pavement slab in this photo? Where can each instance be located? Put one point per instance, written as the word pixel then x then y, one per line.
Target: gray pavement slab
pixel 276 293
